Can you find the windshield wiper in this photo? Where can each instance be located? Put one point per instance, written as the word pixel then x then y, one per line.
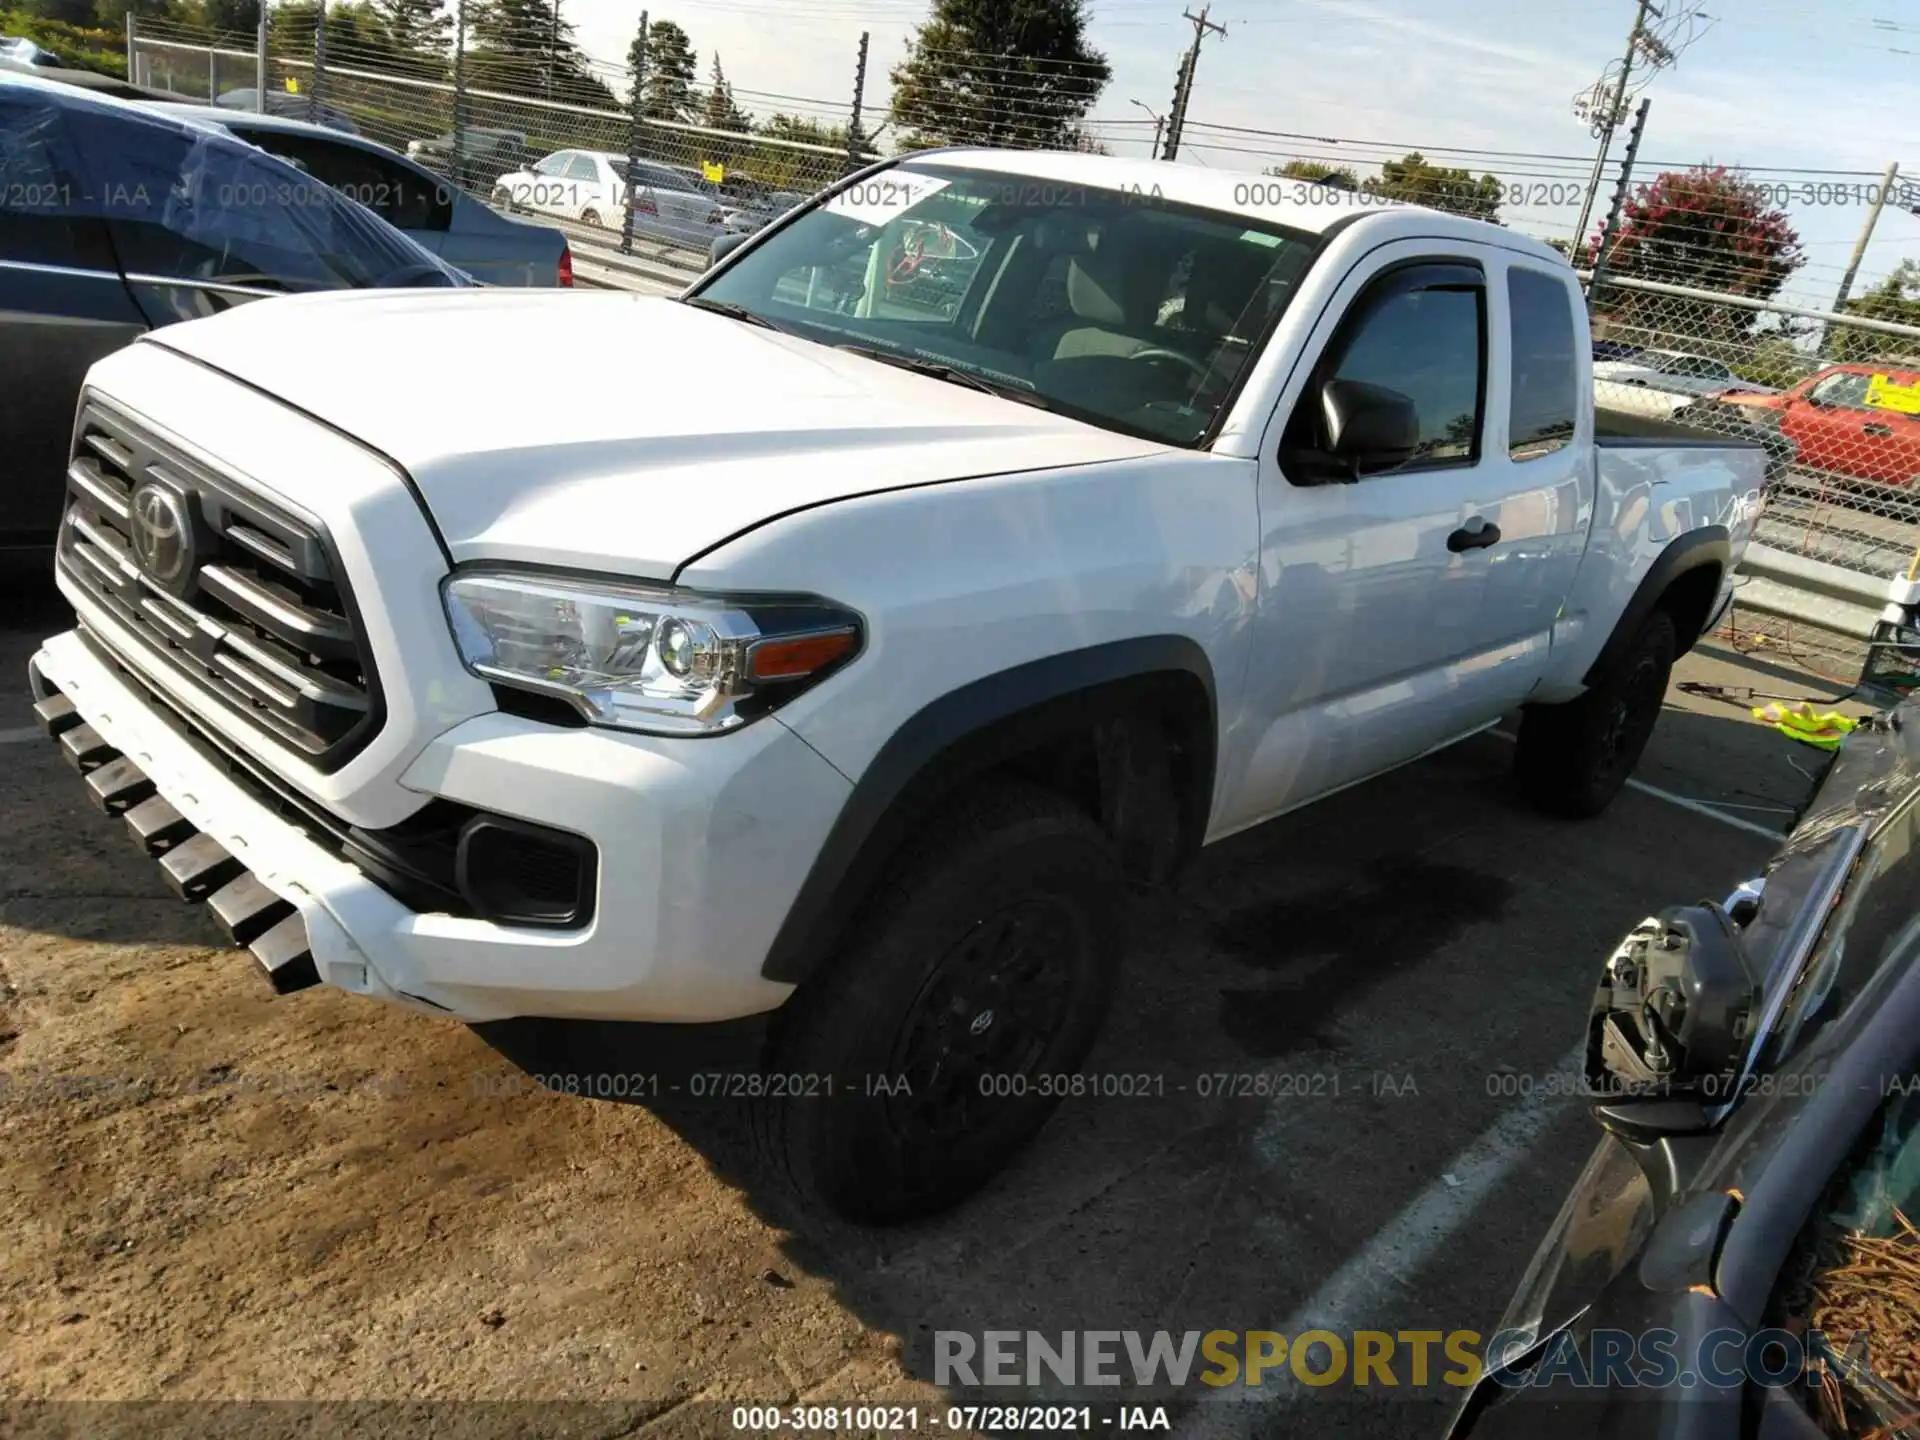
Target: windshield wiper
pixel 733 312
pixel 955 374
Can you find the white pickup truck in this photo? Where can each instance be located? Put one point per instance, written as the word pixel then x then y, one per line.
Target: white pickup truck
pixel 808 662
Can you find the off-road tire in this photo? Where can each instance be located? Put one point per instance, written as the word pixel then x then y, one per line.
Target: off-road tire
pixel 1572 759
pixel 1008 881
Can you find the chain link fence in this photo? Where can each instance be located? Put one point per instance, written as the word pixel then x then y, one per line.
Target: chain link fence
pixel 1687 322
pixel 554 137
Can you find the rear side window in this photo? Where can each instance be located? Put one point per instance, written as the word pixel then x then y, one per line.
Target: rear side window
pixel 1545 375
pixel 44 217
pixel 400 196
pixel 197 205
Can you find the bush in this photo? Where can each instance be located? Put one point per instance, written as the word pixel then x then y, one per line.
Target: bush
pixel 78 48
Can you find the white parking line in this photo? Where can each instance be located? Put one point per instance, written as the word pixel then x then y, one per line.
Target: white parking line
pixel 1363 1292
pixel 22 735
pixel 1698 807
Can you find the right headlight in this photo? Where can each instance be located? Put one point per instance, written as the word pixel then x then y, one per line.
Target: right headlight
pixel 640 657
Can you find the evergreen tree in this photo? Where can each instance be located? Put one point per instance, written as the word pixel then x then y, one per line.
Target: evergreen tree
pixel 667 91
pixel 719 112
pixel 420 27
pixel 998 72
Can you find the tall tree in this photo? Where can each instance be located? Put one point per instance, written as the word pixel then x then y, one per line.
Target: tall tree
pixel 670 67
pixel 416 27
pixel 998 72
pixel 1897 299
pixel 1709 228
pixel 1415 180
pixel 717 110
pixel 1317 171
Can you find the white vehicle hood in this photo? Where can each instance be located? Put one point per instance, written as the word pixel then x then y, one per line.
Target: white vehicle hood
pixel 617 432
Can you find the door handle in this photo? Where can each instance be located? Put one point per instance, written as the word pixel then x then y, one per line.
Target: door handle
pixel 1874 427
pixel 1476 536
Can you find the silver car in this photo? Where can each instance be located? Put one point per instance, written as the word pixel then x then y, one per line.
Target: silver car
pixel 590 186
pixel 463 231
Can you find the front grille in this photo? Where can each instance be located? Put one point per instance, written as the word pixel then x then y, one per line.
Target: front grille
pixel 219 585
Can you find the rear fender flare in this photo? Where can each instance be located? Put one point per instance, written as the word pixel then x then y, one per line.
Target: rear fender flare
pixel 1708 545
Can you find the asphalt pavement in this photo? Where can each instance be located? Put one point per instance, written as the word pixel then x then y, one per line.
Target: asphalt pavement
pixel 1348 1036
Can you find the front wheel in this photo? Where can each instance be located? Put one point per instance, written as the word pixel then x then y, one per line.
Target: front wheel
pixel 971 985
pixel 1573 759
pixel 503 200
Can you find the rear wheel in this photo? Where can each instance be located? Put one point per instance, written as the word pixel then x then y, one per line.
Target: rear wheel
pixel 1573 759
pixel 982 968
pixel 590 217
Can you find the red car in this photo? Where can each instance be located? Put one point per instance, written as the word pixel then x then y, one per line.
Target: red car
pixel 1860 421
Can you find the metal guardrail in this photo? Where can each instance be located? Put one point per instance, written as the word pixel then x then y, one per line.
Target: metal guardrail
pixel 1812 592
pixel 656 267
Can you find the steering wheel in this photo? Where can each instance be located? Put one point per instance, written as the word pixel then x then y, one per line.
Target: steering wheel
pixel 1199 370
pixel 913 250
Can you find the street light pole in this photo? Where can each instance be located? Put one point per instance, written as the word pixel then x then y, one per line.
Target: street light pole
pixel 1158 122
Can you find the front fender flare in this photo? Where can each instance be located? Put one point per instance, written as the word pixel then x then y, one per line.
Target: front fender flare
pixel 965 732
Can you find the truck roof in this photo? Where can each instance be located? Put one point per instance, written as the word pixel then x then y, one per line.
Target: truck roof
pixel 1237 192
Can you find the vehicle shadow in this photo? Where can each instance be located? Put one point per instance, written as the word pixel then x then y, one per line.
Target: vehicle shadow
pixel 1383 966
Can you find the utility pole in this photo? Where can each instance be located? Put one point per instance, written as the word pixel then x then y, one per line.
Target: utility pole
pixel 855 145
pixel 1610 117
pixel 1183 79
pixel 1607 230
pixel 1866 234
pixel 553 47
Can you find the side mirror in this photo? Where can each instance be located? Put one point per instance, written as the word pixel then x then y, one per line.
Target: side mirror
pixel 1369 427
pixel 724 246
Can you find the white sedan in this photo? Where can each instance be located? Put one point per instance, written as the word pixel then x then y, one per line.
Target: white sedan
pixel 1676 372
pixel 590 186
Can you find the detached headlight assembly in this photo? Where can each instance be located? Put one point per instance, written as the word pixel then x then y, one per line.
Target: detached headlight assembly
pixel 647 658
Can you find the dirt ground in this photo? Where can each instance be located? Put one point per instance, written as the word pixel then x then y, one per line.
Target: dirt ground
pixel 210 1194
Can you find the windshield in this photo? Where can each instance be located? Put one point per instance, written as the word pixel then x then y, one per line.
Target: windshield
pixel 1118 308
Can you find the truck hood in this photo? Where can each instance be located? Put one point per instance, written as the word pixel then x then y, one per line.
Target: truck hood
pixel 612 431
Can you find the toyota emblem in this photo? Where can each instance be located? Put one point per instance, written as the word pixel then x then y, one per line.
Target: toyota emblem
pixel 162 533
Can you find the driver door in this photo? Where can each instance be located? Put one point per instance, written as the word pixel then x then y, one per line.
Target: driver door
pixel 1397 610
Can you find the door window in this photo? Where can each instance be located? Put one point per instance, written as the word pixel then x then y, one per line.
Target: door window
pixel 1546 379
pixel 555 164
pixel 404 198
pixel 1421 332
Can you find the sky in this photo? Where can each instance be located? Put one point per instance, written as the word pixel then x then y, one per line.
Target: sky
pixel 1802 93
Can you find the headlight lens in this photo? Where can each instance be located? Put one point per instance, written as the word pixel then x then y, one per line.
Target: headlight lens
pixel 641 657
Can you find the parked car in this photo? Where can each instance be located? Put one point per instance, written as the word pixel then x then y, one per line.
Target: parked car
pixel 1842 422
pixel 828 729
pixel 1677 372
pixel 1754 1071
pixel 1614 350
pixel 748 214
pixel 288 104
pixel 88 80
pixel 22 51
pixel 121 220
pixel 461 230
pixel 485 154
pixel 588 186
